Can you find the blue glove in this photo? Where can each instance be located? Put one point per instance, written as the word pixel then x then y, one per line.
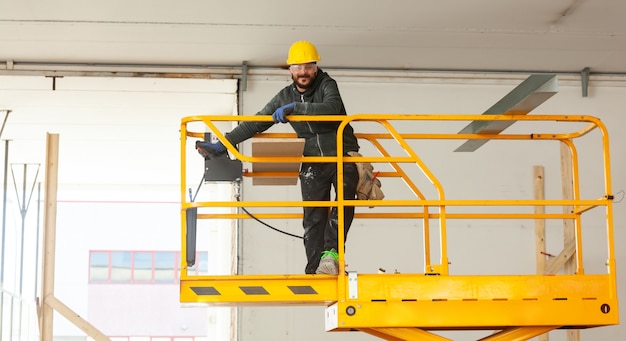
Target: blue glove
pixel 210 150
pixel 280 113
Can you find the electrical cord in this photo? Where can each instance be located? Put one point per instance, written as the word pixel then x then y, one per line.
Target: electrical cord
pixel 237 187
pixel 259 220
pixel 268 225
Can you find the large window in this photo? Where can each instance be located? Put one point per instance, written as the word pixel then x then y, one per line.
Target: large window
pixel 140 267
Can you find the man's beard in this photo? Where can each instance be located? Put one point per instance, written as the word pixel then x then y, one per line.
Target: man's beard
pixel 296 79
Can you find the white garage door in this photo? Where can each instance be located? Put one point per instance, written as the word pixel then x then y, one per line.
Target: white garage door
pixel 119 175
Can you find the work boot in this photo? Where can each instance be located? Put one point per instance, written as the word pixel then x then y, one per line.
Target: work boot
pixel 329 264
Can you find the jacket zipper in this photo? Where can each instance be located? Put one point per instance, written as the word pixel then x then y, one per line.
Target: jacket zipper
pixel 317 136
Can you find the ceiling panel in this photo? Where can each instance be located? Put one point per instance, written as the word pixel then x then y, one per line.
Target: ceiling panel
pixel 482 35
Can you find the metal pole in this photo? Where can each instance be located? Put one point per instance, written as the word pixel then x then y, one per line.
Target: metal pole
pixel 4 214
pixel 4 223
pixel 4 207
pixel 4 122
pixel 11 318
pixel 20 290
pixel 24 205
pixel 23 213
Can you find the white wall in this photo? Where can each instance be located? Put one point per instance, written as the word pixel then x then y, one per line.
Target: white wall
pixel 473 249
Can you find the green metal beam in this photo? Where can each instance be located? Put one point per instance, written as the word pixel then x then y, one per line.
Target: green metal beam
pixel 527 96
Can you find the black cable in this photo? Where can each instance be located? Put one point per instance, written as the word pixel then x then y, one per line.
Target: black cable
pixel 193 198
pixel 197 190
pixel 268 225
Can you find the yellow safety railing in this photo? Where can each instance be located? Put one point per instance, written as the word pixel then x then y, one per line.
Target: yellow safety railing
pixel 325 289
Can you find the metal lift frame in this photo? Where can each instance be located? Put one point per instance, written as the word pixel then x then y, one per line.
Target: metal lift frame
pixel 411 306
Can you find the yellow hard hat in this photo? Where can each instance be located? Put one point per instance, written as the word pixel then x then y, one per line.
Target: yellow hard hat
pixel 302 52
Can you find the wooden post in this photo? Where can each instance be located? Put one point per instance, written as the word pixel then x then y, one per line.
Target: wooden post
pixel 540 224
pixel 48 302
pixel 49 234
pixel 540 228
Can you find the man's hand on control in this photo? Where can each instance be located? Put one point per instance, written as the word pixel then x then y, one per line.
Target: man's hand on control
pixel 210 150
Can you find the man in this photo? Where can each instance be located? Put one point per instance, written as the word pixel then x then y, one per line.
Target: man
pixel 313 92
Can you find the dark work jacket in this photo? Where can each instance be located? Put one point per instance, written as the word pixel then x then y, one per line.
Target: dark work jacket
pixel 321 98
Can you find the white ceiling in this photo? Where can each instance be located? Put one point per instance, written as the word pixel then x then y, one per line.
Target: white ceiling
pixel 480 35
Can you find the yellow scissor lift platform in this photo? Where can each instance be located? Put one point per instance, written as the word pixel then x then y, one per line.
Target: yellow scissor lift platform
pixel 411 306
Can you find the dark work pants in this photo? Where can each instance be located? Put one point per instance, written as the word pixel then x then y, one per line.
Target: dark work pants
pixel 320 223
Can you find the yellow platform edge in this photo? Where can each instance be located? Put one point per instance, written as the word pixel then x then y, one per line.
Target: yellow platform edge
pixel 427 302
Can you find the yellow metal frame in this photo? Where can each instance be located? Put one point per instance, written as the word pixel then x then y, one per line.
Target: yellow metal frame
pixel 408 306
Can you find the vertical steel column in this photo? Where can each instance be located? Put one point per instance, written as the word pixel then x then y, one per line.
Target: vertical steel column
pixel 4 223
pixel 24 204
pixel 4 214
pixel 23 210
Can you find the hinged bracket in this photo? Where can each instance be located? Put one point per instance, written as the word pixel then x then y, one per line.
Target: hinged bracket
pixel 353 285
pixel 584 76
